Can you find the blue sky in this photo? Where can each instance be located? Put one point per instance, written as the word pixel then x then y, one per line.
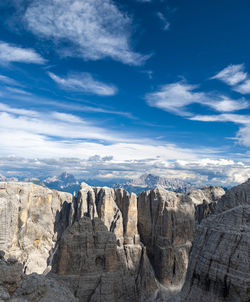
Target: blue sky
pixel 113 89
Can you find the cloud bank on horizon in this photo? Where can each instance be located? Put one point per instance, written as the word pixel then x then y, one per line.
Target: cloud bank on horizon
pixel 75 89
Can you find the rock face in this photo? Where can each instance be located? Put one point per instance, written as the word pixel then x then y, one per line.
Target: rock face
pixel 17 287
pixel 219 268
pixel 90 262
pixel 205 201
pixel 115 207
pixel 100 256
pixel 166 222
pixel 103 245
pixel 166 225
pixel 30 222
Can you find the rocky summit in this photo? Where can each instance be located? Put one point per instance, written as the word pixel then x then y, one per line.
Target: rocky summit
pixel 105 244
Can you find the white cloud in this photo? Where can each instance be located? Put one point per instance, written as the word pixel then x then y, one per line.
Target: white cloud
pixel 6 80
pixel 243 135
pixel 65 135
pixel 96 29
pixel 200 171
pixel 11 53
pixel 243 88
pixel 166 23
pixel 7 109
pixel 232 74
pixel 61 141
pixel 234 118
pixel 52 125
pixel 176 97
pixel 17 91
pixel 83 82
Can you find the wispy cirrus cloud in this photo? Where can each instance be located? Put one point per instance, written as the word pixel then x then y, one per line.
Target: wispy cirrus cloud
pixel 165 22
pixel 83 82
pixel 235 76
pixel 234 118
pixel 93 30
pixel 61 134
pixel 146 1
pixel 9 81
pixel 232 74
pixel 12 53
pixel 14 91
pixel 175 98
pixel 243 88
pixel 242 135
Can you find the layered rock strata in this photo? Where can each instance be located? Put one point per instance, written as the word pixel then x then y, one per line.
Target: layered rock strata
pixel 115 207
pixel 30 224
pixel 96 269
pixel 219 268
pixel 93 241
pixel 18 287
pixel 166 222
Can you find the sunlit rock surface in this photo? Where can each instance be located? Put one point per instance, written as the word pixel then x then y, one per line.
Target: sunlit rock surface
pixel 30 222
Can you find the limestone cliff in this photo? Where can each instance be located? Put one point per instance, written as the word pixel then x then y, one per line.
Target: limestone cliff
pixel 115 207
pixel 105 244
pixel 219 268
pixel 96 269
pixel 30 222
pixel 18 287
pixel 166 222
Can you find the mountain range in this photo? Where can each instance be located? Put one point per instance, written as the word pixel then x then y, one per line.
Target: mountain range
pixel 69 183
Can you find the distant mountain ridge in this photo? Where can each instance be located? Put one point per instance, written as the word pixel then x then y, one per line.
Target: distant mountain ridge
pixel 68 183
pixel 150 181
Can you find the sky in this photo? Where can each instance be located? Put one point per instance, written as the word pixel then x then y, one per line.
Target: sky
pixel 113 89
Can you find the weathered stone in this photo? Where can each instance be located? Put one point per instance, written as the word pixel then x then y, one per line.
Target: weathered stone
pixel 166 222
pixel 2 253
pixel 115 207
pixel 166 226
pixel 29 223
pixel 43 289
pixel 205 201
pixel 219 268
pixel 17 287
pixel 207 194
pixel 92 242
pixel 96 269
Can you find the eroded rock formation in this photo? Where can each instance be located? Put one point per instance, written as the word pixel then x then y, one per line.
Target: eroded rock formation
pixel 115 207
pixel 105 244
pixel 29 222
pixel 90 262
pixel 166 222
pixel 18 287
pixel 219 268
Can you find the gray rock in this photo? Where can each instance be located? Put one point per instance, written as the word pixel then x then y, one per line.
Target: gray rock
pixel 2 253
pixel 29 224
pixel 115 207
pixel 96 269
pixel 220 261
pixel 4 294
pixel 167 223
pixel 17 287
